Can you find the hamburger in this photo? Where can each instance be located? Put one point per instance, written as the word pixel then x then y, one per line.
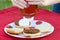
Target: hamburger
pixel 31 31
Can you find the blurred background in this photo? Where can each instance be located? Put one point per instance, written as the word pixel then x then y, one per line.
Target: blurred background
pixel 7 3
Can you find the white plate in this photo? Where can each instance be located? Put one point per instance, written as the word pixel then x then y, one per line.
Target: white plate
pixel 23 36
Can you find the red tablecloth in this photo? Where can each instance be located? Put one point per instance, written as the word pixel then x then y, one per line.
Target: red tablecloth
pixel 11 14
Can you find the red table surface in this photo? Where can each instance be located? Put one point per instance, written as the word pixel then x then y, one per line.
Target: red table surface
pixel 11 14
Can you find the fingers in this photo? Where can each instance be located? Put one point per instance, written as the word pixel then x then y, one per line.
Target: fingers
pixel 33 0
pixel 18 6
pixel 22 1
pixel 40 2
pixel 34 3
pixel 19 3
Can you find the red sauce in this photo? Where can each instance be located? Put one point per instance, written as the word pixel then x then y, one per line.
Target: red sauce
pixel 38 22
pixel 30 11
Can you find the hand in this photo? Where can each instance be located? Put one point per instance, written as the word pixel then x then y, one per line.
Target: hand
pixel 34 2
pixel 43 2
pixel 19 3
pixel 38 2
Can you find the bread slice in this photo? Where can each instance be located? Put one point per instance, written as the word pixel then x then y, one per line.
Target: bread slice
pixel 44 27
pixel 14 30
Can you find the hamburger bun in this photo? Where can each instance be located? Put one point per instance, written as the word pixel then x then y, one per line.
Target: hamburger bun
pixel 14 30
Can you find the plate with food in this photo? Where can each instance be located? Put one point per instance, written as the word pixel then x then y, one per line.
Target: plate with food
pixel 37 30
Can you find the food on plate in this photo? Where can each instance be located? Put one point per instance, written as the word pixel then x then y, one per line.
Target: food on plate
pixel 27 36
pixel 31 32
pixel 21 23
pixel 22 26
pixel 8 26
pixel 45 27
pixel 14 30
pixel 17 22
pixel 39 22
pixel 24 23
